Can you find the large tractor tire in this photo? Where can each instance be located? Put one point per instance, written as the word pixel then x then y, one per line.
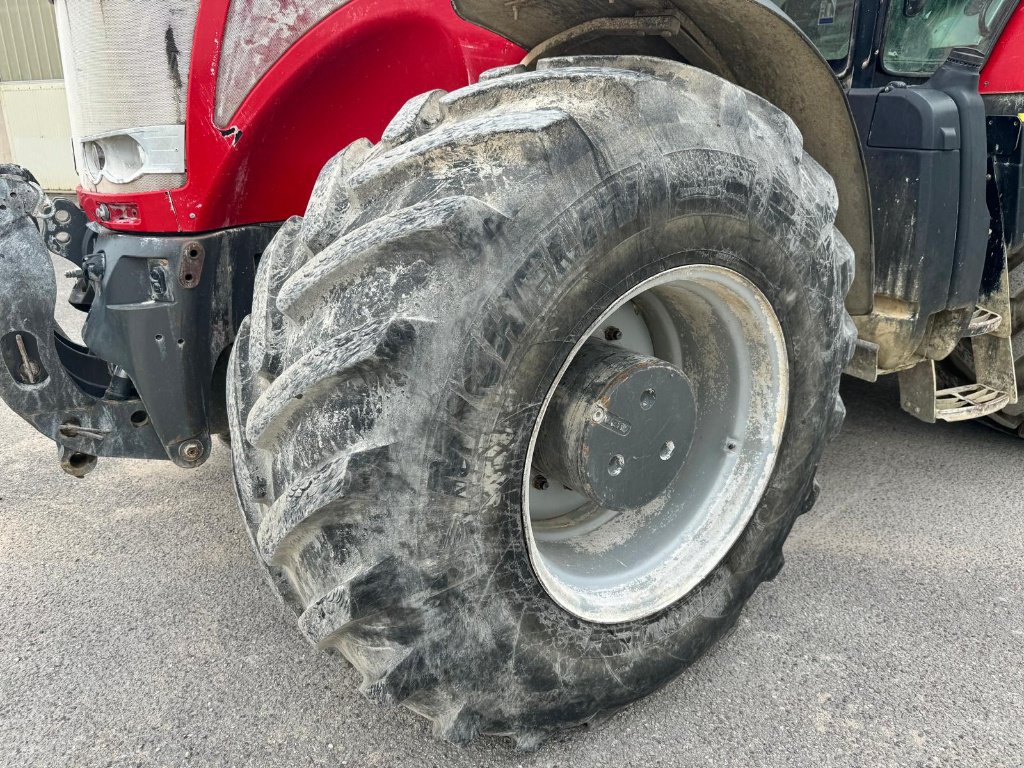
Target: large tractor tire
pixel 530 399
pixel 958 368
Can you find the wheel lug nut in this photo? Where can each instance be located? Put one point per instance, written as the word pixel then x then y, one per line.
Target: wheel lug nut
pixel 611 333
pixel 541 483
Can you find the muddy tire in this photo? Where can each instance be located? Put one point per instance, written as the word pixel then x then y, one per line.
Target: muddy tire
pixel 386 389
pixel 958 368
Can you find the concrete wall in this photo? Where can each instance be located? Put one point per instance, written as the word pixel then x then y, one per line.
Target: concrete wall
pixel 5 144
pixel 39 131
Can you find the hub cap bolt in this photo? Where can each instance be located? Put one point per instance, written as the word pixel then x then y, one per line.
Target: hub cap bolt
pixel 611 333
pixel 541 483
pixel 616 464
pixel 191 450
pixel 647 399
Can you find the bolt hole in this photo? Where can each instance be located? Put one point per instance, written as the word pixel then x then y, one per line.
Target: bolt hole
pixel 667 450
pixel 139 419
pixel 647 399
pixel 730 446
pixel 188 277
pixel 616 464
pixel 159 337
pixel 181 342
pixel 78 460
pixel 193 253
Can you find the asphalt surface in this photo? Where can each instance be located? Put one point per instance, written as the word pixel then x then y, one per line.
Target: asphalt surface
pixel 136 627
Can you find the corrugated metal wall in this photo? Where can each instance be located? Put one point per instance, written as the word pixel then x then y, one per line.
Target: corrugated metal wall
pixel 28 41
pixel 34 126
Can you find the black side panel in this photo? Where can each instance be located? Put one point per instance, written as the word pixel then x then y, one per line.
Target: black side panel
pixel 927 158
pixel 912 147
pixel 958 79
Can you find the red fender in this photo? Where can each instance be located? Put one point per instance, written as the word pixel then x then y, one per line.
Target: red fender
pixel 341 81
pixel 1004 71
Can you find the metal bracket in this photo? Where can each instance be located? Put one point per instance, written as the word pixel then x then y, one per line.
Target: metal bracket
pixel 192 256
pixel 864 363
pixel 66 232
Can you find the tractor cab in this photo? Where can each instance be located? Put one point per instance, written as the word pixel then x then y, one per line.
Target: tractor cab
pixel 942 147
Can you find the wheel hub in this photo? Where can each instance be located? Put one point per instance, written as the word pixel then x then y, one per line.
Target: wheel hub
pixel 618 427
pixel 616 532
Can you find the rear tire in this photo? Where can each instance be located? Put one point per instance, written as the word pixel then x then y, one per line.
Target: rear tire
pixel 385 389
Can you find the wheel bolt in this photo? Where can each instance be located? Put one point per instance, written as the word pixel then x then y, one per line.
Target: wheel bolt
pixel 647 399
pixel 191 450
pixel 541 483
pixel 611 333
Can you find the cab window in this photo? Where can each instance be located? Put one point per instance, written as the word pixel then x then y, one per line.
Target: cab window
pixel 920 33
pixel 828 23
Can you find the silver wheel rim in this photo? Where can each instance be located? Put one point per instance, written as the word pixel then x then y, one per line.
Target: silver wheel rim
pixel 716 326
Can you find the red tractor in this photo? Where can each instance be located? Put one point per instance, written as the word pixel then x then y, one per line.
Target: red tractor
pixel 524 405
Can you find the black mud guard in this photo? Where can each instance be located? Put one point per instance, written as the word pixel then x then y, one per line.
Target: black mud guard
pixel 749 42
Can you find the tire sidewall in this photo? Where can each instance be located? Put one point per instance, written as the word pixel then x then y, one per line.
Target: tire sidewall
pixel 638 224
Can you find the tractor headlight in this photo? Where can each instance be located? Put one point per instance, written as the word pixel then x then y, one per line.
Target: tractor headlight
pixel 123 157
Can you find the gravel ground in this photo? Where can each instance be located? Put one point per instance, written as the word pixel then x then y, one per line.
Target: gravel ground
pixel 137 628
